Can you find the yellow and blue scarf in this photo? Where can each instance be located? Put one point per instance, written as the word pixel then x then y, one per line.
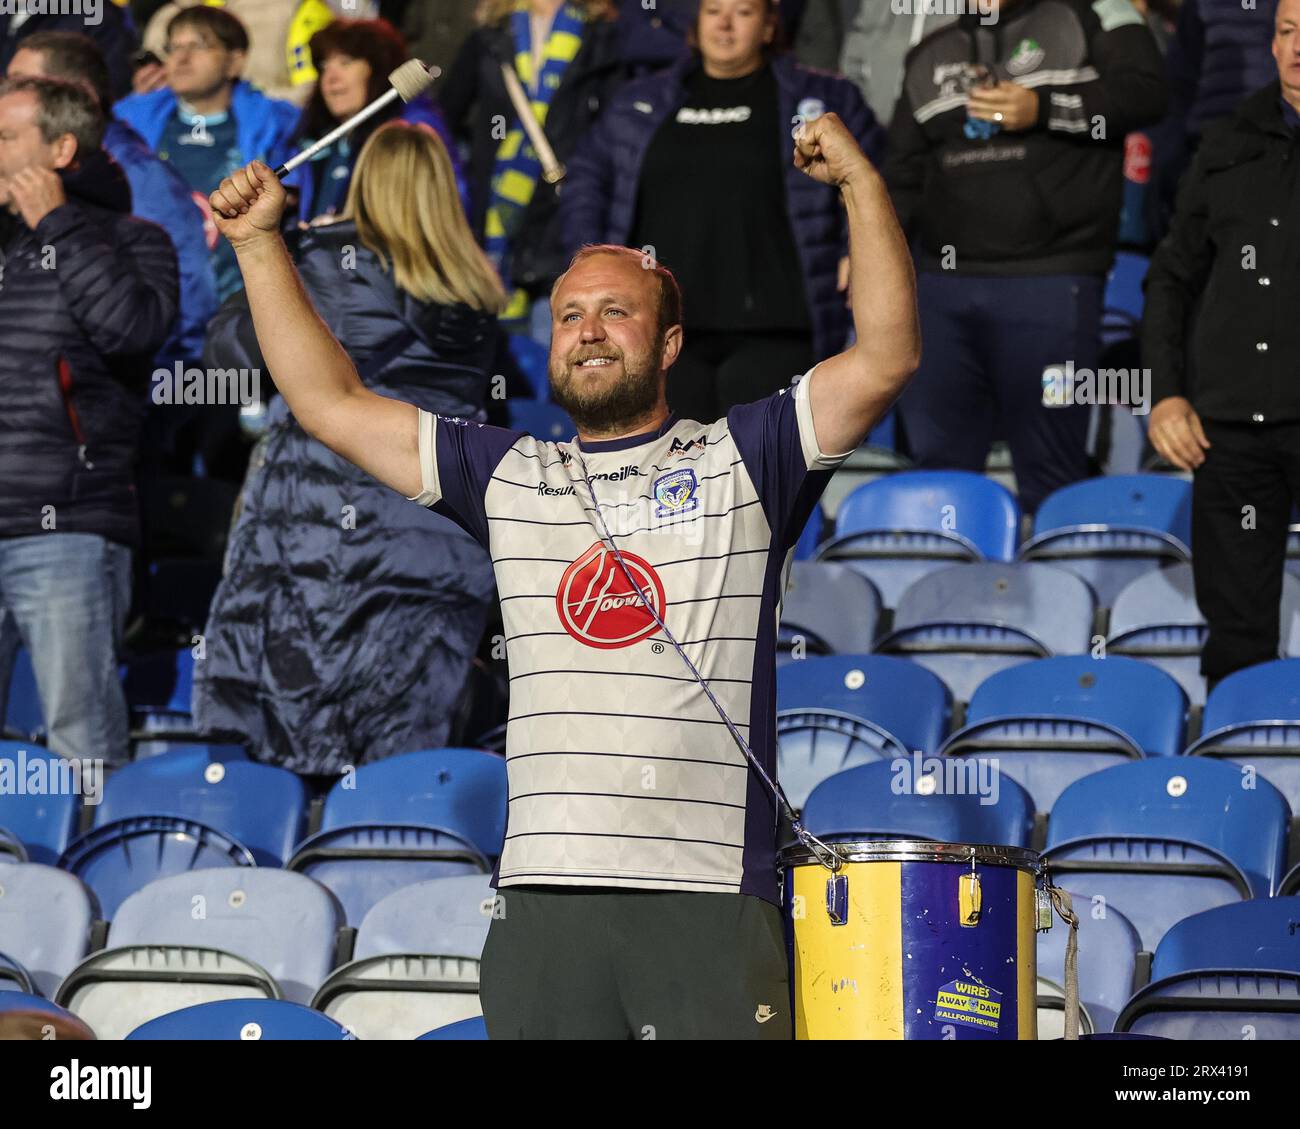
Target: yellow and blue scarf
pixel 517 169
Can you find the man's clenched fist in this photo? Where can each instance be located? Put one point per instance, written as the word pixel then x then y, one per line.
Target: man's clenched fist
pixel 248 204
pixel 825 150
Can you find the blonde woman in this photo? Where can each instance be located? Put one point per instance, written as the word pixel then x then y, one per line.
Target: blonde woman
pixel 566 55
pixel 347 619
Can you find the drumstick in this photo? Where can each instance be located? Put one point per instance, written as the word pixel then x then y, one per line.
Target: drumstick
pixel 407 82
pixel 552 170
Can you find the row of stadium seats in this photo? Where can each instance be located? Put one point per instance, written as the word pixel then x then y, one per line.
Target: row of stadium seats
pixel 967 622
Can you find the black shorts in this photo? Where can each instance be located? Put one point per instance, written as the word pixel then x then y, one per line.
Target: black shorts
pixel 575 962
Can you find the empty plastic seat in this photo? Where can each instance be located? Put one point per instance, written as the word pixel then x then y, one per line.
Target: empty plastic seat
pixel 158 690
pixel 945 801
pixel 899 528
pixel 540 418
pixel 465 1029
pixel 1108 952
pixel 1050 722
pixel 1164 837
pixel 970 621
pixel 46 921
pixel 1253 718
pixel 409 818
pixel 245 1020
pixel 806 547
pixel 1111 530
pixel 125 856
pixel 24 718
pixel 838 711
pixel 1124 297
pixel 42 802
pixel 262 807
pixel 828 610
pixel 14 976
pixel 30 1017
pixel 1156 618
pixel 444 916
pixel 400 997
pixel 1051 1011
pixel 1229 973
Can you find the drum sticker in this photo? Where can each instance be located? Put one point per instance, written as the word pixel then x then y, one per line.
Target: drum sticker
pixel 969 1001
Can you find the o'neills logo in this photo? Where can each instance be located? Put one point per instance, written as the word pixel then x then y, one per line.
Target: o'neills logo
pixel 599 607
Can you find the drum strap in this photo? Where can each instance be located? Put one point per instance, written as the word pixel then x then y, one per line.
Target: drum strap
pixel 824 854
pixel 1064 905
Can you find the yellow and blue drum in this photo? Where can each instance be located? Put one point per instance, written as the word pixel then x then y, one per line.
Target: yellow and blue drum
pixel 909 939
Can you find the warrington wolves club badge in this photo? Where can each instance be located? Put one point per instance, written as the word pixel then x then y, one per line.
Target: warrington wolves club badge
pixel 675 492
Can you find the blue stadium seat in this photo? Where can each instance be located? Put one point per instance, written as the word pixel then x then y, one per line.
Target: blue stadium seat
pixel 24 719
pixel 409 818
pixel 1111 530
pixel 1168 836
pixel 244 1020
pixel 533 359
pixel 11 847
pixel 806 547
pixel 400 996
pixel 899 528
pixel 1050 722
pixel 46 921
pixel 891 800
pixel 30 1017
pixel 1108 952
pixel 44 823
pixel 14 976
pixel 970 621
pixel 1252 717
pixel 828 609
pixel 158 690
pixel 444 916
pixel 466 1029
pixel 262 807
pixel 195 937
pixel 838 711
pixel 541 419
pixel 208 750
pixel 1227 973
pixel 1124 298
pixel 117 860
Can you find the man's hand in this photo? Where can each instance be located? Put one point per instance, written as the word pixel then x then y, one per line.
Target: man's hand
pixel 1176 433
pixel 1012 106
pixel 36 192
pixel 825 150
pixel 247 205
pixel 148 77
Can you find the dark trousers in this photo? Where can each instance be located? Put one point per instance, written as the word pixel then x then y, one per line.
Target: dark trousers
pixel 716 371
pixel 564 962
pixel 985 344
pixel 1242 497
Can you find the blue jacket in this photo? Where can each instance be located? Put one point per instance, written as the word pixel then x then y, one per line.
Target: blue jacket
pixel 159 195
pixel 420 111
pixel 347 618
pixel 598 204
pixel 263 125
pixel 88 298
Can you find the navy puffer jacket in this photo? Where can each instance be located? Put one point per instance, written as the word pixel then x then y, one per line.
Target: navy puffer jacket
pixel 344 626
pixel 86 300
pixel 598 202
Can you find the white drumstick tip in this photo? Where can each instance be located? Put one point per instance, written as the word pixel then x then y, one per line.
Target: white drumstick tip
pixel 412 78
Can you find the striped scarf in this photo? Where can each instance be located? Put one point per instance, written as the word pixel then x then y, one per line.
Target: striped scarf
pixel 515 176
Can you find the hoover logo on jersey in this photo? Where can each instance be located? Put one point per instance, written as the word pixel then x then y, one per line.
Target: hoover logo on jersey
pixel 597 604
pixel 675 493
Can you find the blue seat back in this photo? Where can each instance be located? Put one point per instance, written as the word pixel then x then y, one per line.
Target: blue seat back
pixel 1156 502
pixel 541 419
pixel 835 608
pixel 45 921
pixel 806 547
pixel 882 800
pixel 1108 950
pixel 442 917
pixel 1256 935
pixel 464 1029
pixel 261 806
pixel 282 921
pixel 161 683
pixel 1264 692
pixel 459 790
pixel 970 508
pixel 43 820
pixel 244 1020
pixel 24 716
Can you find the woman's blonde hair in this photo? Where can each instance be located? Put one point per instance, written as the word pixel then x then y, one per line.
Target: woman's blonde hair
pixel 404 202
pixel 494 11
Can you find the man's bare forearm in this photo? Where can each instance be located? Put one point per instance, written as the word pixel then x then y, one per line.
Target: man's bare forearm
pixel 310 368
pixel 882 284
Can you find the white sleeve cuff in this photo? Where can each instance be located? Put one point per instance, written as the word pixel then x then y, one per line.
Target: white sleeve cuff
pixel 428 462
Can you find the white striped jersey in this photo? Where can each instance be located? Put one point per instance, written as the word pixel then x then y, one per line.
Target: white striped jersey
pixel 621 772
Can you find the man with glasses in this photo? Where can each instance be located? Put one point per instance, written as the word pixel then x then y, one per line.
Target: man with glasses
pixel 207 121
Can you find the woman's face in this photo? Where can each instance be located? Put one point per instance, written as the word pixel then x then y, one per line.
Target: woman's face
pixel 343 83
pixel 732 32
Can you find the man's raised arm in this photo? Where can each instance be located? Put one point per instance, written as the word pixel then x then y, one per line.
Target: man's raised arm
pixel 310 368
pixel 852 390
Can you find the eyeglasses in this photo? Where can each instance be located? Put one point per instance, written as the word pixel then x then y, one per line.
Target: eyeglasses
pixel 192 45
